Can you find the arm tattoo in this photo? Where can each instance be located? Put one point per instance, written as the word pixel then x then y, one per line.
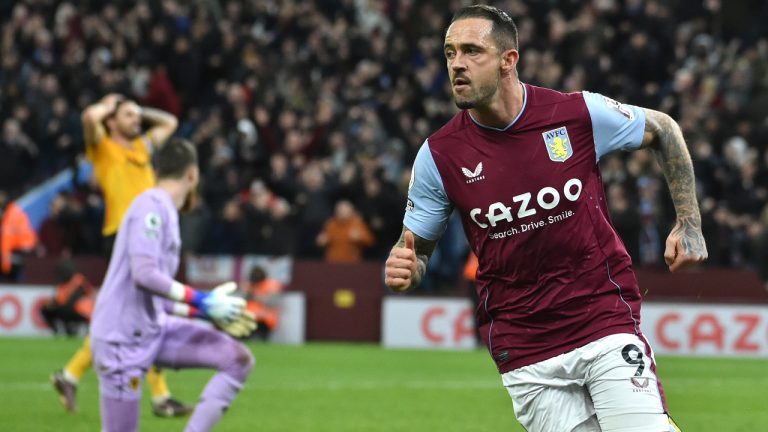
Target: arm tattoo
pixel 664 137
pixel 424 249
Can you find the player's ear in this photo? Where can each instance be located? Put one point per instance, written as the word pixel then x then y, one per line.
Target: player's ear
pixel 192 174
pixel 509 59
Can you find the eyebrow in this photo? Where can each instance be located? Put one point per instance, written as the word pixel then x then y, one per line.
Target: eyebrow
pixel 464 46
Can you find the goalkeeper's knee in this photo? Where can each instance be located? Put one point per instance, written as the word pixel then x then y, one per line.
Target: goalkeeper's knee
pixel 240 362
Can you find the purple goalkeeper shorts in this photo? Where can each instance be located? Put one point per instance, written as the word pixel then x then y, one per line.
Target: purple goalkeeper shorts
pixel 182 343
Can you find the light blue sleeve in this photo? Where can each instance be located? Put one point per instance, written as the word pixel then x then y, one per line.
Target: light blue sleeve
pixel 615 126
pixel 428 207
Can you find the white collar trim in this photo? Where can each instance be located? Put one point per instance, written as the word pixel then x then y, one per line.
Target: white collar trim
pixel 517 117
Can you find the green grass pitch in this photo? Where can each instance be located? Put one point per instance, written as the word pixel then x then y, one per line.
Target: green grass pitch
pixel 344 387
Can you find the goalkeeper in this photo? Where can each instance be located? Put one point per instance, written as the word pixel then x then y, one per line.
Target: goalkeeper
pixel 132 327
pixel 122 162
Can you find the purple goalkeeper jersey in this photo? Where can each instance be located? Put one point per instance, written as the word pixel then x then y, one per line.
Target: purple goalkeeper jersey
pixel 129 307
pixel 553 274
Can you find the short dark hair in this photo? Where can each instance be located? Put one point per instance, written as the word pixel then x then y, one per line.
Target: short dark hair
pixel 174 158
pixel 257 274
pixel 112 114
pixel 504 30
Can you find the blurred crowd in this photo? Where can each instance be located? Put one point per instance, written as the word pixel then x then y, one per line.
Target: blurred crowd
pixel 308 113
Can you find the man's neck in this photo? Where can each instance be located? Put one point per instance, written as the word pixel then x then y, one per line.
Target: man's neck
pixel 121 139
pixel 504 108
pixel 176 189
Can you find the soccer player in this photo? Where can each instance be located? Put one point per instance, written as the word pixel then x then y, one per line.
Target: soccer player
pixel 131 327
pixel 72 303
pixel 121 156
pixel 560 304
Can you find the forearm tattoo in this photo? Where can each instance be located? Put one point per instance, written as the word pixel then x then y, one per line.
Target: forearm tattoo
pixel 664 137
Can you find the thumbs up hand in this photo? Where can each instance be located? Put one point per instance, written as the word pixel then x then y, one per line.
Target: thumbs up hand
pixel 401 265
pixel 409 241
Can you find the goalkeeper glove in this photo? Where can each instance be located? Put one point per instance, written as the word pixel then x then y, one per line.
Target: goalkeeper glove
pixel 240 327
pixel 219 305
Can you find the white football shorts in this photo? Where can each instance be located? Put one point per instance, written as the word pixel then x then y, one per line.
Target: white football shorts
pixel 608 385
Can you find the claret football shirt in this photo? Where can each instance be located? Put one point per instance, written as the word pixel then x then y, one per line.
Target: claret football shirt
pixel 553 274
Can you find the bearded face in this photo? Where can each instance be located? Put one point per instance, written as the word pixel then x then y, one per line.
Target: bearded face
pixel 126 120
pixel 473 62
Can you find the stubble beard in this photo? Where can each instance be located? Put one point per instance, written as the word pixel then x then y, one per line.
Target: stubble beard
pixel 480 97
pixel 130 133
pixel 465 104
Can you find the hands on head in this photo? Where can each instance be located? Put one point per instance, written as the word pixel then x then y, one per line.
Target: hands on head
pixel 111 100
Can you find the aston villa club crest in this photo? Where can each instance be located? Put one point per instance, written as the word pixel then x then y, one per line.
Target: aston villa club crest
pixel 558 144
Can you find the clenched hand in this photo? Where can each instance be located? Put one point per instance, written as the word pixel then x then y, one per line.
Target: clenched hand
pixel 401 265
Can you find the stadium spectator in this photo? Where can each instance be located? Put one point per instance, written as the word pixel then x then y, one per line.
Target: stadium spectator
pixel 59 135
pixel 160 93
pixel 17 238
pixel 314 205
pixel 72 304
pixel 625 219
pixel 380 206
pixel 270 223
pixel 88 197
pixel 761 243
pixel 19 153
pixel 261 295
pixel 345 235
pixel 194 224
pixel 227 233
pixel 222 180
pixel 257 215
pixel 60 232
pixel 281 177
pixel 279 231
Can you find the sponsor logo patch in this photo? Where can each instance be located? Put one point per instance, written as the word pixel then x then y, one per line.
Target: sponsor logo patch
pixel 473 176
pixel 153 221
pixel 620 108
pixel 152 224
